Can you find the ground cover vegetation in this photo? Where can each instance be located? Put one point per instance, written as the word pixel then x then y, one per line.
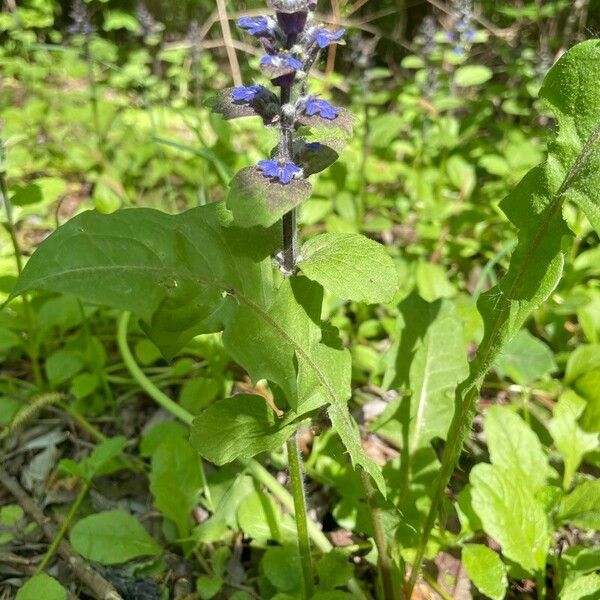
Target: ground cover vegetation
pixel 300 300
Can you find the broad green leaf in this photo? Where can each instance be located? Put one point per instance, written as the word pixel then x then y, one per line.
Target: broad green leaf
pixel 112 537
pixel 103 460
pixel 350 266
pixel 571 172
pixel 332 595
pixel 177 272
pixel 586 587
pixel 582 506
pixel 237 427
pixel 175 481
pixel 525 359
pixel 472 75
pixel 42 586
pixel 486 570
pixel 431 335
pixel 433 283
pixel 255 200
pixel 514 447
pixel 570 440
pixel 511 515
pixel 286 345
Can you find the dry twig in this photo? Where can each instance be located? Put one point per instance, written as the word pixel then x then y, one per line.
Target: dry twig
pixel 101 588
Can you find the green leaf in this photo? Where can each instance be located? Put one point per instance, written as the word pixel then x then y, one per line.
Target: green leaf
pixel 350 266
pixel 582 506
pixel 237 427
pixel 486 570
pixel 431 334
pixel 525 359
pixel 174 271
pixel 472 75
pixel 586 587
pixel 63 365
pixel 208 587
pixel 583 375
pixel 511 515
pixel 514 447
pixel 260 518
pixel 42 586
pixel 175 481
pixel 334 570
pixel 46 190
pixel 112 537
pixel 255 200
pixel 570 440
pixel 281 566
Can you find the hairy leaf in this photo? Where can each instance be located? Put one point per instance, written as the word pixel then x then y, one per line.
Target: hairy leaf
pixel 287 345
pixel 112 537
pixel 265 105
pixel 586 587
pixel 174 271
pixel 255 200
pixel 350 266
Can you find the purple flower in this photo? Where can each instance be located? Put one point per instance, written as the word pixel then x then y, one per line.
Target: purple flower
pixel 292 23
pixel 314 106
pixel 281 62
pixel 256 26
pixel 283 171
pixel 324 38
pixel 246 93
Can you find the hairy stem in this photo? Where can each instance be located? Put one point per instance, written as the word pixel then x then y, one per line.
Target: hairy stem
pixel 297 480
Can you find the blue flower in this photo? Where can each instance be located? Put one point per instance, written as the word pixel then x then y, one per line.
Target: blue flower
pixel 283 62
pixel 246 93
pixel 324 38
pixel 314 106
pixel 256 26
pixel 283 171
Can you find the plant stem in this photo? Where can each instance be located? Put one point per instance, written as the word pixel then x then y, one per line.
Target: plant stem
pixel 63 528
pixel 27 312
pixel 253 467
pixel 384 563
pixel 290 241
pixel 297 480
